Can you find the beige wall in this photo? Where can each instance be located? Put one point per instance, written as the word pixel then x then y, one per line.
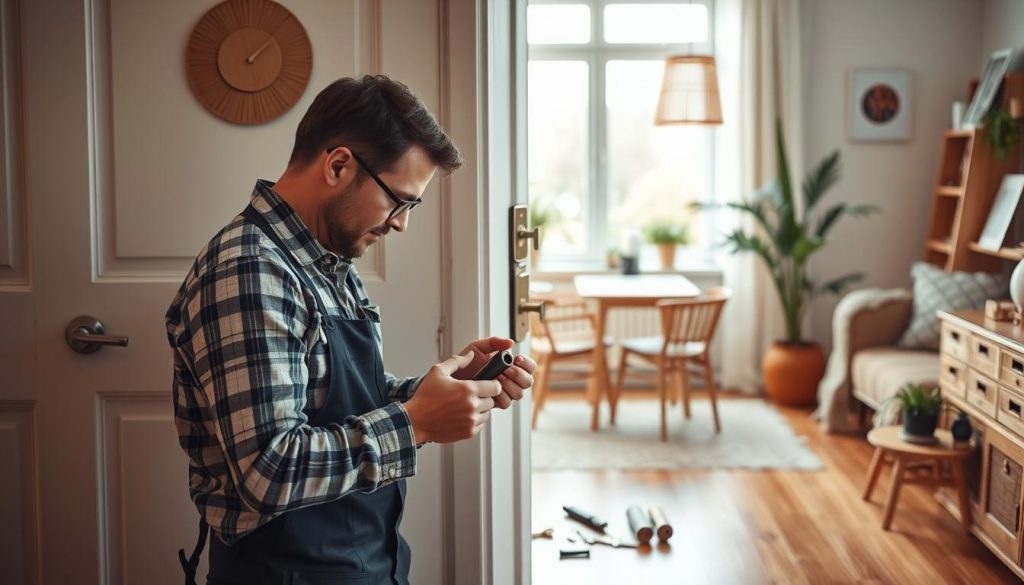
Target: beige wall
pixel 939 42
pixel 1002 27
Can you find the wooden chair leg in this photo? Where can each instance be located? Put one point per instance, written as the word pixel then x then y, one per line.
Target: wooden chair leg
pixel 675 389
pixel 709 381
pixel 662 391
pixel 540 386
pixel 620 380
pixel 684 384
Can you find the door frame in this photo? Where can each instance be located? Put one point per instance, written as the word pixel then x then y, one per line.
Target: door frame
pixel 483 72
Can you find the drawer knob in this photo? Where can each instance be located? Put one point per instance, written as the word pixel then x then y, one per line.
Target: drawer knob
pixel 1006 467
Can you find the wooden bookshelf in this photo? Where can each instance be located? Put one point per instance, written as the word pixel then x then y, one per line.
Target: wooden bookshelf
pixel 1015 254
pixel 966 184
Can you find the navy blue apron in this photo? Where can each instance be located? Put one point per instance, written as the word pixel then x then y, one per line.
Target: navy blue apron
pixel 352 540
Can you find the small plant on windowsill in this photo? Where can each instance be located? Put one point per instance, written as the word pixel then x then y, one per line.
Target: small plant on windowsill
pixel 921 407
pixel 666 235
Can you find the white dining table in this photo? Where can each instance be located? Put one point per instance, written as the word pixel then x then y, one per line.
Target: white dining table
pixel 611 291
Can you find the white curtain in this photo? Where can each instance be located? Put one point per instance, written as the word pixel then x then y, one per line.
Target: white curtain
pixel 760 84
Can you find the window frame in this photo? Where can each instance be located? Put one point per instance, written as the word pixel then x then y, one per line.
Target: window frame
pixel 597 53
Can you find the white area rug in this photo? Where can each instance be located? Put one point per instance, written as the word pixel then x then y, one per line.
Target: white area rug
pixel 754 436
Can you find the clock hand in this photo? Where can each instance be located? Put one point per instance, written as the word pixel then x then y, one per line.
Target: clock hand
pixel 252 58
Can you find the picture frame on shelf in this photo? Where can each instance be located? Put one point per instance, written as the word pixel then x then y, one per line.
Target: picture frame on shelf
pixel 1001 214
pixel 879 105
pixel 995 69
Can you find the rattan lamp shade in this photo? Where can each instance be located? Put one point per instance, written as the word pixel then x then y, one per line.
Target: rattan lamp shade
pixel 689 92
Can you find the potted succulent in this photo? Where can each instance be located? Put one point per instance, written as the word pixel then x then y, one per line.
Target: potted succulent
pixel 921 407
pixel 666 235
pixel 785 240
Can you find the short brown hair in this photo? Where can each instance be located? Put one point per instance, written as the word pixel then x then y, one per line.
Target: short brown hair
pixel 377 117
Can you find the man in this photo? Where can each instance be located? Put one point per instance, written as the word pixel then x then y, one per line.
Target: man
pixel 298 441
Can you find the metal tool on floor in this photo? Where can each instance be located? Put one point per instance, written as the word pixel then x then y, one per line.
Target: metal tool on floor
pixel 605 539
pixel 590 520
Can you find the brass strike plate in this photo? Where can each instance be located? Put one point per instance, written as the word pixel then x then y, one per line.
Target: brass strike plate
pixel 520 219
pixel 521 294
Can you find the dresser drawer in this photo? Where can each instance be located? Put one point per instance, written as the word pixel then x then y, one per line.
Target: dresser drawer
pixel 984 355
pixel 1010 412
pixel 1011 369
pixel 952 376
pixel 982 392
pixel 954 341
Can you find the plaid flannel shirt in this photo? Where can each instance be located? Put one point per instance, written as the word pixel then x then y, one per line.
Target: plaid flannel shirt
pixel 251 368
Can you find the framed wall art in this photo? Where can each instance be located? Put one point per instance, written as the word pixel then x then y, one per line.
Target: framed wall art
pixel 988 85
pixel 879 105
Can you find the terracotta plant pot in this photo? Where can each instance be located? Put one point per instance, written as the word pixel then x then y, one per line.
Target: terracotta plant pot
pixel 791 373
pixel 668 255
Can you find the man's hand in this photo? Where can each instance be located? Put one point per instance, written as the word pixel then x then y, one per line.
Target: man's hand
pixel 445 409
pixel 514 381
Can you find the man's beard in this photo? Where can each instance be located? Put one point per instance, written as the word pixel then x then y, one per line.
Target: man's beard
pixel 345 241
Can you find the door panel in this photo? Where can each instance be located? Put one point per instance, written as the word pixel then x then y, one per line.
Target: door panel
pixel 19 554
pixel 128 177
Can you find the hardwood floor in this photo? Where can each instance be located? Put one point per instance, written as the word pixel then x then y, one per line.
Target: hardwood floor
pixel 749 527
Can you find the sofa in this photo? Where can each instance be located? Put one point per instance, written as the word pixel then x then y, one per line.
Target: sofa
pixel 866 366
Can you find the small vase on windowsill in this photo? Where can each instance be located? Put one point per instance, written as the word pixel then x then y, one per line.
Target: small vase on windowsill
pixel 668 256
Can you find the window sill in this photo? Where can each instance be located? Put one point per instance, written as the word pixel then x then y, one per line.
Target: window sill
pixel 555 270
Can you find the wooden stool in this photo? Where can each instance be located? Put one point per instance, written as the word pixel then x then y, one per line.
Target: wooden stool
pixel 904 455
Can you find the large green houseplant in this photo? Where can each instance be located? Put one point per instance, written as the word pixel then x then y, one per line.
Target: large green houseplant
pixel 785 239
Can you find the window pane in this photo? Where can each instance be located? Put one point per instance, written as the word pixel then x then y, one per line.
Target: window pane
pixel 558 24
pixel 653 171
pixel 655 23
pixel 558 144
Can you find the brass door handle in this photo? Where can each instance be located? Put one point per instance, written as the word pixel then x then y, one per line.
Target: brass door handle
pixel 537 307
pixel 87 335
pixel 534 234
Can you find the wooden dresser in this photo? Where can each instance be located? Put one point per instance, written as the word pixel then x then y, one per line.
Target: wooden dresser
pixel 982 373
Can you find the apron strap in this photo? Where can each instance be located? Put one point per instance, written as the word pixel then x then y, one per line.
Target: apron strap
pixel 191 564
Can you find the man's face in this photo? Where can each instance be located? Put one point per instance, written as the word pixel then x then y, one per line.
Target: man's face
pixel 358 216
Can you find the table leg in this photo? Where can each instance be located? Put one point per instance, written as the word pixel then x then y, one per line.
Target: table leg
pixel 873 471
pixel 961 490
pixel 601 370
pixel 894 492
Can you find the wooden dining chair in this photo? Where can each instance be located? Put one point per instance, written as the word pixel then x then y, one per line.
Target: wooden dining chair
pixel 688 327
pixel 568 333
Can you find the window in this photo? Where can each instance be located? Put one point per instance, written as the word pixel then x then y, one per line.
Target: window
pixel 596 159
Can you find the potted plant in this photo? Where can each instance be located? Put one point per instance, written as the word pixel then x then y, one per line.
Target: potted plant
pixel 921 407
pixel 785 240
pixel 666 235
pixel 1001 131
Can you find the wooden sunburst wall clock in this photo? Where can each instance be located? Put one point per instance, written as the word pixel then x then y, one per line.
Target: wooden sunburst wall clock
pixel 248 61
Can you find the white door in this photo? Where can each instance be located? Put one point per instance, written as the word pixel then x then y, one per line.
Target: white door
pixel 114 177
pixel 491 492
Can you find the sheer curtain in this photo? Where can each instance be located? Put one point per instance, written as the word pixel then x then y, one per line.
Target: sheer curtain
pixel 762 81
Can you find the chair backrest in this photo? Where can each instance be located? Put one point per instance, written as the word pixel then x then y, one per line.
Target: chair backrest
pixel 692 320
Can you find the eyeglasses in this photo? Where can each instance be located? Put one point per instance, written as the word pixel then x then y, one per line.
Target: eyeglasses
pixel 401 205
